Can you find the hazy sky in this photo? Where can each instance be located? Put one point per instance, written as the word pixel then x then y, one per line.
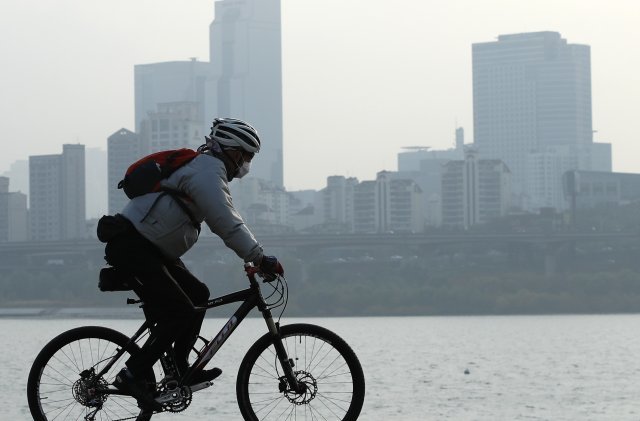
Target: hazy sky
pixel 362 78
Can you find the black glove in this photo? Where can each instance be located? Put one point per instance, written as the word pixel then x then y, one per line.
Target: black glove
pixel 271 268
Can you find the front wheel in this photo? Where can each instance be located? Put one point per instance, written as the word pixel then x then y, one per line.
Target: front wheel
pixel 327 367
pixel 64 384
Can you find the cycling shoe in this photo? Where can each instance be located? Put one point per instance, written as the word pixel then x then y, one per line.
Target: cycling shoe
pixel 127 383
pixel 204 376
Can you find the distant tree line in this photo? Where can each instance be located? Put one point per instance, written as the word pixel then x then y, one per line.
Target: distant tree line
pixel 407 286
pixel 492 278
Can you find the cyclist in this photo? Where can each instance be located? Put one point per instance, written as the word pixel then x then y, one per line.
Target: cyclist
pixel 151 233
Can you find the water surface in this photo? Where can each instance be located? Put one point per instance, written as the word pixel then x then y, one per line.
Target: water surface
pixel 417 368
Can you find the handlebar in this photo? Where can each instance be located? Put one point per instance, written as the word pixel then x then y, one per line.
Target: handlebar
pixel 252 271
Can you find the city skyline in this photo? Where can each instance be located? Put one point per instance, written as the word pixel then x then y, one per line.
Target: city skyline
pixel 334 98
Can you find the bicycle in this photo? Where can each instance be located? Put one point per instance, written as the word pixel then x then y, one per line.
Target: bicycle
pixel 297 371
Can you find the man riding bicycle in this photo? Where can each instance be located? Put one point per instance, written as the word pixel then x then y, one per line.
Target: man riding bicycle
pixel 154 230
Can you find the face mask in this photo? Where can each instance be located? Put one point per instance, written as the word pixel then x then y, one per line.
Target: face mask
pixel 243 170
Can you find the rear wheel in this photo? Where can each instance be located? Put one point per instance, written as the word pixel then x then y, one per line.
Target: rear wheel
pixel 63 382
pixel 322 361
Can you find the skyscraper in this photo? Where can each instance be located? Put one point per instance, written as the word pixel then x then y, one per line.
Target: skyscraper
pixel 171 81
pixel 173 125
pixel 13 213
pixel 246 82
pixel 57 190
pixel 530 91
pixel 123 149
pixel 96 168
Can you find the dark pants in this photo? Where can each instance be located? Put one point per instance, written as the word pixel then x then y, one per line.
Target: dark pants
pixel 169 292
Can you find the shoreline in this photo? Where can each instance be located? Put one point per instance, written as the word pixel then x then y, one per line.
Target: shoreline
pixel 136 313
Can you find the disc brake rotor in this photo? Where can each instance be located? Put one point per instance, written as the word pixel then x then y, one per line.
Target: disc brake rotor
pixel 310 388
pixel 86 390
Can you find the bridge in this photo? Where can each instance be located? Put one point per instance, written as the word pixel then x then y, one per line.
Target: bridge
pixel 343 240
pixel 54 252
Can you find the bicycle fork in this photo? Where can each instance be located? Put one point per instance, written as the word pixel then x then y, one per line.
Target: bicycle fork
pixel 286 362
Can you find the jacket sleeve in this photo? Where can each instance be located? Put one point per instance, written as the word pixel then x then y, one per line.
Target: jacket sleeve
pixel 210 192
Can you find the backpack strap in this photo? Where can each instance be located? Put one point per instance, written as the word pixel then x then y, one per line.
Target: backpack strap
pixel 176 196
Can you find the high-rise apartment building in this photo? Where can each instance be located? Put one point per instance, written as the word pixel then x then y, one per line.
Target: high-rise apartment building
pixel 364 207
pixel 246 82
pixel 388 204
pixel 337 203
pixel 123 148
pixel 172 81
pixel 13 213
pixel 474 191
pixel 531 91
pixel 399 204
pixel 57 190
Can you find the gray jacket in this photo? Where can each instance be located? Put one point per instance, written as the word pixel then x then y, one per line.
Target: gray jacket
pixel 166 225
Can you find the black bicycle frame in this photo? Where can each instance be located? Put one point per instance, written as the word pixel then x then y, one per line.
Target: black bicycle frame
pixel 251 298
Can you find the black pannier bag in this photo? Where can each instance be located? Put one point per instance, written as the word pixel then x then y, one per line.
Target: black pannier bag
pixel 113 279
pixel 110 227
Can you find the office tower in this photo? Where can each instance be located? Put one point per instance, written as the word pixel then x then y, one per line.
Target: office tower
pixel 337 203
pixel 18 173
pixel 592 189
pixel 57 190
pixel 474 190
pixel 600 157
pixel 530 91
pixel 173 125
pixel 246 83
pixel 172 81
pixel 547 167
pixel 425 165
pixel 123 149
pixel 96 178
pixel 13 213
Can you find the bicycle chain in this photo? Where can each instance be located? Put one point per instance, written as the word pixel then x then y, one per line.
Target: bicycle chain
pixel 154 412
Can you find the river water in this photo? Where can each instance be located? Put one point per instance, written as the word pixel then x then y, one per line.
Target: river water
pixel 417 368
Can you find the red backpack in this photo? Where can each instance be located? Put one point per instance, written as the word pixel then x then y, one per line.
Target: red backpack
pixel 144 175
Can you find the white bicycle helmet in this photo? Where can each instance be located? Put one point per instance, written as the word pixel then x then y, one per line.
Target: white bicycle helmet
pixel 234 133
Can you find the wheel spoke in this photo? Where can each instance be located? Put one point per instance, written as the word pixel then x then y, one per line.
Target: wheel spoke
pixel 57 392
pixel 322 363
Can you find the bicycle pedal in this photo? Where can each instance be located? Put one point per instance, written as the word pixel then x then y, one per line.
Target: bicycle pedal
pixel 200 386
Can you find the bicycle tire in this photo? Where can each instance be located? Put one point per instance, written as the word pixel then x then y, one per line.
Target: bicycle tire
pixel 322 360
pixel 55 389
